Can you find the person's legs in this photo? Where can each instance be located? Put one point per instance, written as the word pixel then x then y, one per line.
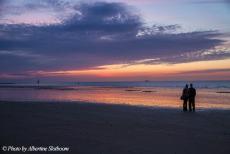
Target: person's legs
pixel 185 105
pixel 193 104
pixel 190 104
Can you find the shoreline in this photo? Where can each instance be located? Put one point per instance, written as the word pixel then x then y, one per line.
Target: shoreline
pixel 125 105
pixel 111 129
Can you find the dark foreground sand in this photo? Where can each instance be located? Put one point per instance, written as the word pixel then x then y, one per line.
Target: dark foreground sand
pixel 114 129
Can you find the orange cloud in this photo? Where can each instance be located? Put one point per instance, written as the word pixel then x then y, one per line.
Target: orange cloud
pixel 195 70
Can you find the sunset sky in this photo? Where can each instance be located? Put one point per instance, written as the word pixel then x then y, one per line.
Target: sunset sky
pixel 114 40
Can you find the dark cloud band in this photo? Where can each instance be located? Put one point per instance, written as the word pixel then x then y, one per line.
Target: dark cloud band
pixel 99 34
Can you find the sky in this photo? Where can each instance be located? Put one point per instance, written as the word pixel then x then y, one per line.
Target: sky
pixel 114 40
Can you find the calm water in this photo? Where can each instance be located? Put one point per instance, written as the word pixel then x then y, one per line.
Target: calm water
pixel 166 84
pixel 160 94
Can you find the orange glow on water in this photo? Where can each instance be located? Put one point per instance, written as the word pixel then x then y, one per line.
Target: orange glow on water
pixel 144 96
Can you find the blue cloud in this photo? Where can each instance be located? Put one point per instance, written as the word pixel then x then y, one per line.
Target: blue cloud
pixel 98 34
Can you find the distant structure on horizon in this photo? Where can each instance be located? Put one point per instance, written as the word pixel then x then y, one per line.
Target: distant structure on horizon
pixel 38 82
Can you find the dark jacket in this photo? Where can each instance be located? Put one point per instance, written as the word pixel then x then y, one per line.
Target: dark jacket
pixel 192 92
pixel 185 94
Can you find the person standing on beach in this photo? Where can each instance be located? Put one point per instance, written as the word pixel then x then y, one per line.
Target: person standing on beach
pixel 184 97
pixel 192 95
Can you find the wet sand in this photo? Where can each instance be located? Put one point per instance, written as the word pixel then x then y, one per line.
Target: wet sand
pixel 114 129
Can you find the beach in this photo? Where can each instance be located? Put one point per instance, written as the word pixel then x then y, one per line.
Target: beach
pixel 125 93
pixel 92 128
pixel 115 76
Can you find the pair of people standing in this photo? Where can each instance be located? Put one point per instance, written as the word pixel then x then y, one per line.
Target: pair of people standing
pixel 188 95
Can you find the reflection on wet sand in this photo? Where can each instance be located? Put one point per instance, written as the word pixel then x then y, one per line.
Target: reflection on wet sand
pixel 147 96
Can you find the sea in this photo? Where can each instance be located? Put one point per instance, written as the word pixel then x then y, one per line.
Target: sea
pixel 163 94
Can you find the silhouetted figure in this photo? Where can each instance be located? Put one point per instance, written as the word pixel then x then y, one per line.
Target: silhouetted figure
pixel 184 97
pixel 38 82
pixel 192 95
